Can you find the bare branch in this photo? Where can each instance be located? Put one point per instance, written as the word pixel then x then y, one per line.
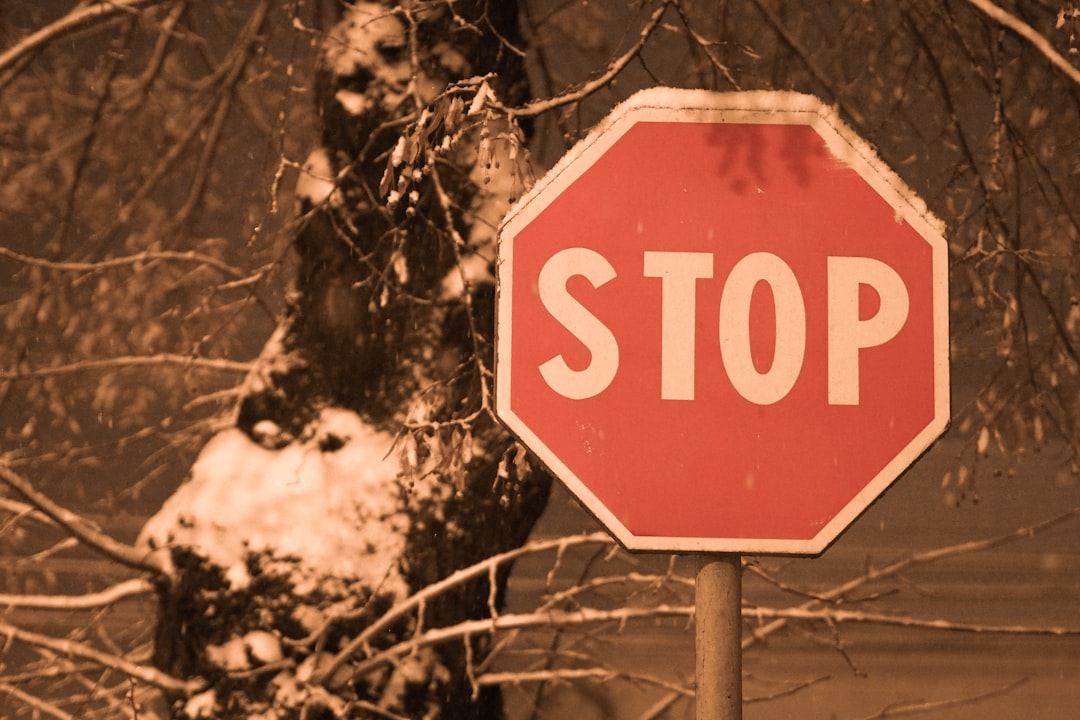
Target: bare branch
pixel 591 616
pixel 1033 36
pixel 547 619
pixel 21 510
pixel 417 600
pixel 854 616
pixel 148 675
pixel 895 568
pixel 131 361
pixel 136 259
pixel 654 581
pixel 807 58
pixel 237 61
pixel 917 708
pixel 614 68
pixel 229 74
pixel 69 23
pixel 77 526
pixel 600 674
pixel 786 692
pixel 89 601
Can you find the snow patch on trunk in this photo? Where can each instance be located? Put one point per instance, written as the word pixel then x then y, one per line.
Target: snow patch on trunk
pixel 330 503
pixel 317 182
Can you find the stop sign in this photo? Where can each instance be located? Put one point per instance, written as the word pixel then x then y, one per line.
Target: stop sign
pixel 723 323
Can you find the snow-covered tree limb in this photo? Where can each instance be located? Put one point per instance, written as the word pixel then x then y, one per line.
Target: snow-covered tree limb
pixel 161 359
pixel 88 601
pixel 1033 36
pixel 141 258
pixel 76 19
pixel 598 674
pixel 78 527
pixel 519 621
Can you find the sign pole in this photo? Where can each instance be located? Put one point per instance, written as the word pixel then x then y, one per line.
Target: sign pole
pixel 718 637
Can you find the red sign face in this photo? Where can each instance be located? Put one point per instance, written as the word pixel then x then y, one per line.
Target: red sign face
pixel 723 323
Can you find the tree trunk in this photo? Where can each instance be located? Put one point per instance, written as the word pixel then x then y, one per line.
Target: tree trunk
pixel 379 380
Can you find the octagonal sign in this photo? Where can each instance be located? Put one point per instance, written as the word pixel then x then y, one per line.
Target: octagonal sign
pixel 723 323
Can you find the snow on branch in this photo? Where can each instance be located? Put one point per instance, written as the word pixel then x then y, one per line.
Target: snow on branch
pixel 821 607
pixel 124 361
pixel 522 621
pixel 67 24
pixel 128 260
pixel 78 527
pixel 88 601
pixel 1033 36
pixel 600 674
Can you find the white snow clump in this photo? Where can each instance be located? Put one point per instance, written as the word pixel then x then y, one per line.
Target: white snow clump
pixel 369 40
pixel 316 182
pixel 328 502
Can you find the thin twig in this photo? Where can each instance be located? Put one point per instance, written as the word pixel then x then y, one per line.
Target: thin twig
pixel 899 566
pixel 136 259
pixel 238 59
pixel 786 692
pixel 920 707
pixel 125 361
pixel 456 244
pixel 230 73
pixel 655 581
pixel 1033 36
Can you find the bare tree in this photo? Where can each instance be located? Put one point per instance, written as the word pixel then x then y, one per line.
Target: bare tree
pixel 317 370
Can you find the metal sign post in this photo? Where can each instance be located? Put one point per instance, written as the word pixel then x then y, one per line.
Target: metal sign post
pixel 718 637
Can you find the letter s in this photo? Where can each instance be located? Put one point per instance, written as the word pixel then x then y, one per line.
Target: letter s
pixel 586 327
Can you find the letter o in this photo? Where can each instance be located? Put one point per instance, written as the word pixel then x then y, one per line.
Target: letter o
pixel 773 385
